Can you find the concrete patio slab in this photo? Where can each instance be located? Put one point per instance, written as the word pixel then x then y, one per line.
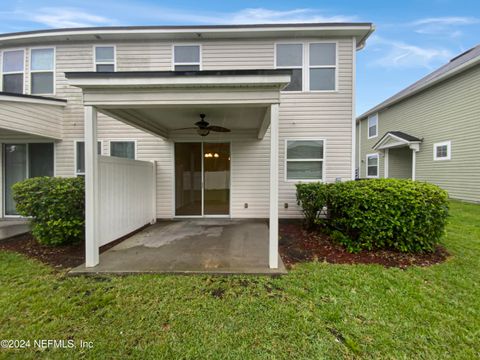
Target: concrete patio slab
pixel 212 246
pixel 13 227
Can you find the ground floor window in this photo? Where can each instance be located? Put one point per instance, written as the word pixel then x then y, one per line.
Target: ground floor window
pixel 123 149
pixel 24 161
pixel 80 156
pixel 304 159
pixel 372 165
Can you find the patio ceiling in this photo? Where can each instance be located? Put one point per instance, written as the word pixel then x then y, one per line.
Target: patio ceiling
pixel 165 121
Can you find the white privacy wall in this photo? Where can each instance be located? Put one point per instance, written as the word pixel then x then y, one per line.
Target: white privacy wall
pixel 126 196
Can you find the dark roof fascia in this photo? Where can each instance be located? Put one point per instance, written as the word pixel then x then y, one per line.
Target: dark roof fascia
pixel 170 74
pixel 3 93
pixel 190 27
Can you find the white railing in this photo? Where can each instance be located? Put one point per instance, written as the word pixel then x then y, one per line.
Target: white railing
pixel 126 196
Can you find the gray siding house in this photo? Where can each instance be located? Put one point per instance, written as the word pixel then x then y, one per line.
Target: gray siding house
pixel 122 106
pixel 429 131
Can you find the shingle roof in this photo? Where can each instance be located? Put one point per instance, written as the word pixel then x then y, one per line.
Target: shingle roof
pixel 428 80
pixel 404 136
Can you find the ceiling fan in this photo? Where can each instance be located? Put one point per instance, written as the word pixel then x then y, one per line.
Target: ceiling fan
pixel 203 127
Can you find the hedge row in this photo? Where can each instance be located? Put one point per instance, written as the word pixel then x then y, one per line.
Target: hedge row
pixel 404 215
pixel 56 206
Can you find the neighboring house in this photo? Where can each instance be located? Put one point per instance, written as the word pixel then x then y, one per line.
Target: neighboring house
pixel 286 93
pixel 429 131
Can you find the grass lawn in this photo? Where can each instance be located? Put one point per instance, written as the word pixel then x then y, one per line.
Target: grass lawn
pixel 317 311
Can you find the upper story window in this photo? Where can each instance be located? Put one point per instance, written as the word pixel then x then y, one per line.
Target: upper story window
pixel 313 65
pixel 304 160
pixel 442 150
pixel 290 56
pixel 186 57
pixel 373 126
pixel 13 71
pixel 104 58
pixel 42 71
pixel 322 66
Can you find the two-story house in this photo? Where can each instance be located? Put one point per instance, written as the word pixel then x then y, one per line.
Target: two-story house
pixel 429 131
pixel 232 117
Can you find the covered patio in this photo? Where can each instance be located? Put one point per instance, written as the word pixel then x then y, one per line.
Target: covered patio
pixel 213 246
pixel 245 101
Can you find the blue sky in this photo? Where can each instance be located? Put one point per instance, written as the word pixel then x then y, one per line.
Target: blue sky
pixel 412 37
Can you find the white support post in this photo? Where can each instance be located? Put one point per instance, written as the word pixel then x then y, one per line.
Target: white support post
pixel 385 164
pixel 273 225
pixel 414 163
pixel 154 197
pixel 91 188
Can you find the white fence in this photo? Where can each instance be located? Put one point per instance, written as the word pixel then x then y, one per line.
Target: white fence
pixel 126 197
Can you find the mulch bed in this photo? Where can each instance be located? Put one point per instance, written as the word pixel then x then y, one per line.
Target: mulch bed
pixel 59 257
pixel 298 245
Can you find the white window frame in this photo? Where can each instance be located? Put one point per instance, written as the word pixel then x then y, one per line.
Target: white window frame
pixel 373 116
pixel 335 67
pixel 95 62
pixel 306 64
pixel 75 155
pixel 2 53
pixel 301 67
pixel 323 160
pixel 54 70
pixel 199 63
pixel 123 140
pixel 376 155
pixel 449 150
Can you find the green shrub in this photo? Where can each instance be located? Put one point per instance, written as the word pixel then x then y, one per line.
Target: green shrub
pixel 403 215
pixel 56 205
pixel 312 197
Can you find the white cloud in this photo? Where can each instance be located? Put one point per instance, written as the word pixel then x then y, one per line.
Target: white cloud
pixel 66 17
pixel 260 15
pixel 396 54
pixel 442 26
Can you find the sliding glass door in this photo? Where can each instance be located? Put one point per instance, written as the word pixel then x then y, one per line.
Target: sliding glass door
pixel 22 161
pixel 202 179
pixel 216 175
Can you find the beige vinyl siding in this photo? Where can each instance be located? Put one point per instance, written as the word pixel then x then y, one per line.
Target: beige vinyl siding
pixel 31 118
pixel 326 115
pixel 322 115
pixel 144 56
pixel 448 111
pixel 227 55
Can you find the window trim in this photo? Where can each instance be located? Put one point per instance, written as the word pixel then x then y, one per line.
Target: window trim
pixel 323 160
pixel 95 62
pixel 53 71
pixel 306 64
pixel 376 126
pixel 75 172
pixel 200 55
pixel 335 67
pixel 123 140
pixel 377 155
pixel 448 143
pixel 2 52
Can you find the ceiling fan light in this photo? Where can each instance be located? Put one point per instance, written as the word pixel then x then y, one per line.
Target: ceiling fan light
pixel 203 132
